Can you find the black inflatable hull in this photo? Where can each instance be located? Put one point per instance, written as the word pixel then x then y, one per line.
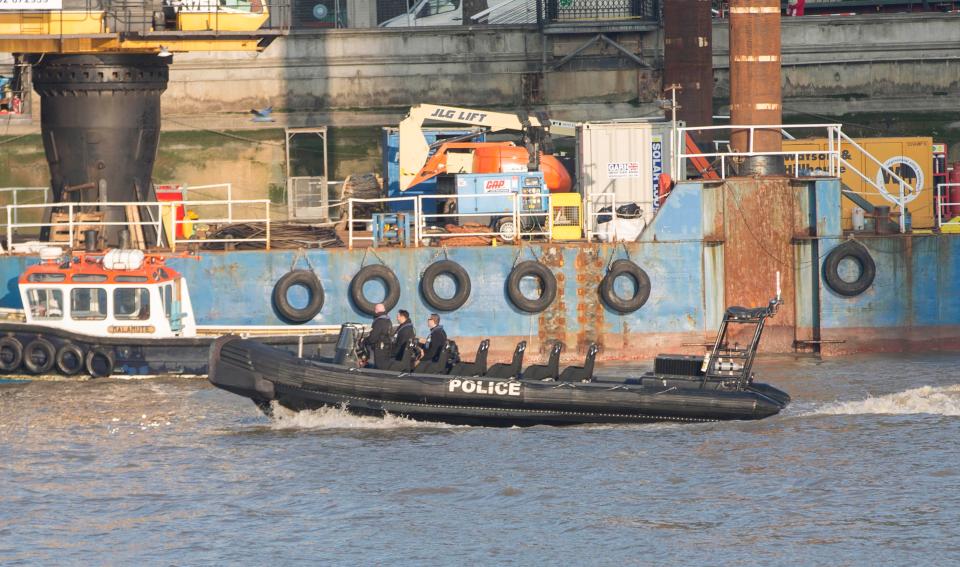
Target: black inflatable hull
pixel 139 356
pixel 266 374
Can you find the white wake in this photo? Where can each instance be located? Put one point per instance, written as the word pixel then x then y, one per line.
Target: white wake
pixel 924 400
pixel 340 418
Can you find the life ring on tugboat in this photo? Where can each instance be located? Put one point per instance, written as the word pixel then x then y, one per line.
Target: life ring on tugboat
pixel 281 302
pixel 461 281
pixel 70 359
pixel 548 283
pixel 831 269
pixel 45 350
pixel 641 291
pixel 11 354
pixel 99 363
pixel 375 272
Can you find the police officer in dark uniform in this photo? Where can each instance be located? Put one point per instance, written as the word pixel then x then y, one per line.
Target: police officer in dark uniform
pixel 378 341
pixel 436 340
pixel 405 333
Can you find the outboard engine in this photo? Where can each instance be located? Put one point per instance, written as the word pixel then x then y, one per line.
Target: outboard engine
pixel 347 344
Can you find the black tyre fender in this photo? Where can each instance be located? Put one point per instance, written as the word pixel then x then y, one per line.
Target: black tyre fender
pixel 831 269
pixel 281 303
pixel 429 279
pixel 641 282
pixel 11 354
pixel 374 272
pixel 43 347
pixel 99 363
pixel 70 359
pixel 547 279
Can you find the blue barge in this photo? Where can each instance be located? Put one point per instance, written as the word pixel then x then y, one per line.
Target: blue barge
pixel 711 245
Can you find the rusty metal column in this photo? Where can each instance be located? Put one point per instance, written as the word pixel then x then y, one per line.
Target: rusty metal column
pixel 688 58
pixel 755 93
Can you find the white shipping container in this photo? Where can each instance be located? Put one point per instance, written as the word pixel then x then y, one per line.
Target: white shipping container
pixel 620 162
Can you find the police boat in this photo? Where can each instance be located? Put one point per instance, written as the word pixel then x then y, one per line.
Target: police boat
pixel 714 387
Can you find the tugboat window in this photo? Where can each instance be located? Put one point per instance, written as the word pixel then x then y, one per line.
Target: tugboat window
pixel 45 304
pixel 47 277
pixel 88 278
pixel 88 303
pixel 131 303
pixel 167 300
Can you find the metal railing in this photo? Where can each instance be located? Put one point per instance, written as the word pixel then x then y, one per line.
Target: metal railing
pixel 422 226
pixel 952 219
pixel 352 219
pixel 76 223
pixel 15 199
pixel 160 218
pixel 838 143
pixel 562 11
pixel 595 205
pixel 178 224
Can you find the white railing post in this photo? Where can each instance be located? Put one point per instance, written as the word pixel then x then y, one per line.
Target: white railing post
pixel 516 217
pixel 938 197
pixel 69 224
pixel 9 230
pixel 173 229
pixel 549 218
pixel 266 211
pixel 158 225
pixel 350 224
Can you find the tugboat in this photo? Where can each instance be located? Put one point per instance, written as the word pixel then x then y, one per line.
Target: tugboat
pixel 718 386
pixel 118 312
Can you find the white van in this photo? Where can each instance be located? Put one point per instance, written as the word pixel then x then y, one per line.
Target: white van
pixel 450 13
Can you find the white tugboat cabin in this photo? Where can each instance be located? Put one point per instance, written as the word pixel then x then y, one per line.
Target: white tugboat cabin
pixel 112 294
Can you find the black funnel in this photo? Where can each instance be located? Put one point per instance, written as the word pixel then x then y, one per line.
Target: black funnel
pixel 100 120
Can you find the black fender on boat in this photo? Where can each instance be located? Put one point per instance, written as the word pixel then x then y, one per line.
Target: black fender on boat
pixel 641 291
pixel 99 362
pixel 70 359
pixel 47 352
pixel 831 269
pixel 429 279
pixel 11 354
pixel 281 303
pixel 548 283
pixel 374 272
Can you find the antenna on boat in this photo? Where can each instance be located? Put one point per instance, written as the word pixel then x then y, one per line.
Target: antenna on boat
pixel 778 286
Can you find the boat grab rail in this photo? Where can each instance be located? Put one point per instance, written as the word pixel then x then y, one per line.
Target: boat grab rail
pixel 352 218
pixel 954 220
pixel 836 162
pixel 159 215
pixel 516 213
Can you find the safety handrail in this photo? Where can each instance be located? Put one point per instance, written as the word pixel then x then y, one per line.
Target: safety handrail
pixel 157 216
pixel 836 139
pixel 351 219
pixel 421 219
pixel 681 155
pixel 941 204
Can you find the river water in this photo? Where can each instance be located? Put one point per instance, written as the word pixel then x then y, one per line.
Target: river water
pixel 863 468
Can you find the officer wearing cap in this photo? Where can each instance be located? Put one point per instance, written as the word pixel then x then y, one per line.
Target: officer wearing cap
pixel 436 340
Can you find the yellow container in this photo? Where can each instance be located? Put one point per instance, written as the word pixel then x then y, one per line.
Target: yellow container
pixel 566 214
pixel 910 158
